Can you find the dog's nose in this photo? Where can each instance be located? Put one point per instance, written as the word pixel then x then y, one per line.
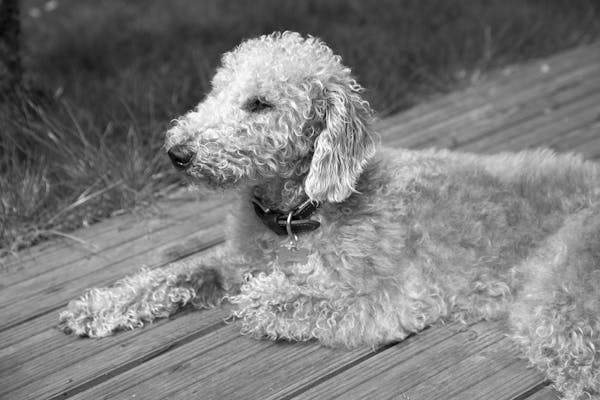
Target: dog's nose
pixel 181 156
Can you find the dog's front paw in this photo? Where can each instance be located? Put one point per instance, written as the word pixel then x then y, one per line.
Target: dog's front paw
pixel 80 319
pixel 98 313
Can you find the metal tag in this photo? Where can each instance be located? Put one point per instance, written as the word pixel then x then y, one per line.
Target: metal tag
pixel 290 253
pixel 287 255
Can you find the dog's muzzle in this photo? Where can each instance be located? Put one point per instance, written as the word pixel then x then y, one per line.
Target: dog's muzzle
pixel 181 156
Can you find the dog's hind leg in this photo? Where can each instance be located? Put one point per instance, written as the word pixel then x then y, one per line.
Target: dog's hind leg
pixel 556 314
pixel 151 294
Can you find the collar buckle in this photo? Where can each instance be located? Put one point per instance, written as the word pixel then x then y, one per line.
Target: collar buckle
pixel 290 223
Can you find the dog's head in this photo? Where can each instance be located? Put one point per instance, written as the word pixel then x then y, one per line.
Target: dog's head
pixel 281 106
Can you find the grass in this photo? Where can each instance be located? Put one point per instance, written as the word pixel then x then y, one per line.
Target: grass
pixel 107 76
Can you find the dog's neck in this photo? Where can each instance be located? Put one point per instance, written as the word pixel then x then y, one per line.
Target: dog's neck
pixel 281 194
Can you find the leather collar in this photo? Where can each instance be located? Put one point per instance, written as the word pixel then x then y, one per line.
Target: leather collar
pixel 290 223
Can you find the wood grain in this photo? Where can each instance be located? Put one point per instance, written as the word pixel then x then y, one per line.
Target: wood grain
pixel 43 296
pixel 101 237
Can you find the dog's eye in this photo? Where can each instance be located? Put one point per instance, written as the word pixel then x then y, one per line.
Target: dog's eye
pixel 256 104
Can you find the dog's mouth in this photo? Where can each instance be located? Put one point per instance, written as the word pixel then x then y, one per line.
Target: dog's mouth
pixel 204 176
pixel 215 168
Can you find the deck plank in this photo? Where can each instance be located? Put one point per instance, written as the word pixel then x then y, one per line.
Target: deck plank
pixel 111 233
pixel 63 371
pixel 551 102
pixel 426 370
pixel 260 369
pixel 49 296
pixel 36 339
pixel 488 101
pixel 102 235
pixel 566 117
pixel 591 147
pixel 475 99
pixel 496 114
pixel 582 136
pixel 39 335
pixel 468 378
pixel 476 132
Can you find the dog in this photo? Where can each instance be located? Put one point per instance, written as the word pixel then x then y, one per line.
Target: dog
pixel 333 237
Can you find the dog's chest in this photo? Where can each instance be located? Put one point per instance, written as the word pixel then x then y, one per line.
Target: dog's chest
pixel 285 251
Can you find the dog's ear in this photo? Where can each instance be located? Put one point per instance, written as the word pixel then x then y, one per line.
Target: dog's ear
pixel 344 145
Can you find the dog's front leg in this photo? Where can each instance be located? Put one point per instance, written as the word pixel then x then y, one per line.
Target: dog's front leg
pixel 274 306
pixel 151 294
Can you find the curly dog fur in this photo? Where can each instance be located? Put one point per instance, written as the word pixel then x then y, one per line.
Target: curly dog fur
pixel 407 238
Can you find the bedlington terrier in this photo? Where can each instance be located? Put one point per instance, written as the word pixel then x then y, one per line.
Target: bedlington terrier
pixel 334 238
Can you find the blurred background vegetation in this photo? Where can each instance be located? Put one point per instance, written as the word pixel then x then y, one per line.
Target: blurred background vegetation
pixel 81 139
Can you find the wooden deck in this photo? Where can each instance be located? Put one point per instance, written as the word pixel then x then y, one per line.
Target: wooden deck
pixel 553 103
